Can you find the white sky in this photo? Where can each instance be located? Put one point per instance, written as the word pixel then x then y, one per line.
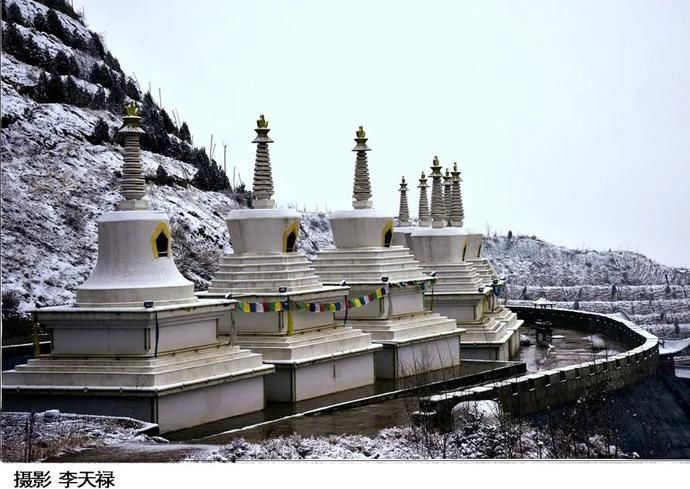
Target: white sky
pixel 569 120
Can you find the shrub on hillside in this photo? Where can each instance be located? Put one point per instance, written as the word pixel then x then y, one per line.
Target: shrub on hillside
pixel 101 133
pixel 11 299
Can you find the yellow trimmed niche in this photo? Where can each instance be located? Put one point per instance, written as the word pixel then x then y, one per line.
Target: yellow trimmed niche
pixel 479 250
pixel 161 241
pixel 387 234
pixel 290 237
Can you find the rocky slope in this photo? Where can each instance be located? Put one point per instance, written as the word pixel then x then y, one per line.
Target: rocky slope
pixel 56 181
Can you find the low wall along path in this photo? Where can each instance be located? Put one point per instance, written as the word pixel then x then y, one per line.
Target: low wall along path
pixel 545 389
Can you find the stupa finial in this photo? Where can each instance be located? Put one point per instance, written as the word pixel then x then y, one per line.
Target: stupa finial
pixel 361 191
pixel 133 185
pixel 261 122
pixel 263 179
pixel 438 207
pixel 457 213
pixel 423 212
pixel 447 189
pixel 404 212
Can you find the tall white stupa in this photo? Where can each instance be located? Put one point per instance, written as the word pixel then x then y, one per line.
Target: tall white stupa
pixel 137 342
pixel 466 286
pixel 285 313
pixel 415 340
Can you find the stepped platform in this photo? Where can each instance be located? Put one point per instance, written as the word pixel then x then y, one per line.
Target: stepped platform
pixel 367 265
pixel 247 274
pixel 413 343
pixel 158 364
pixel 414 340
pixel 311 353
pixel 485 270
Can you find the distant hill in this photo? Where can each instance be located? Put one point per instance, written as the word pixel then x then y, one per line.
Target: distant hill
pixel 525 260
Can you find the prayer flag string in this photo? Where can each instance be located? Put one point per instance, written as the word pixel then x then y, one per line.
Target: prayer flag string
pixel 353 303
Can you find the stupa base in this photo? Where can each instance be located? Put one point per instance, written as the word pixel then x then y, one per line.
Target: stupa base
pixel 171 412
pixel 501 344
pixel 175 391
pixel 413 343
pixel 417 356
pixel 488 336
pixel 464 307
pixel 318 376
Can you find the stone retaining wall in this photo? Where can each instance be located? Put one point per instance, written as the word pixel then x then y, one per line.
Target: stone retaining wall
pixel 545 389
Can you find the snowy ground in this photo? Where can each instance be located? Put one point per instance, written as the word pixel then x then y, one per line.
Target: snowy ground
pixel 69 434
pixel 482 435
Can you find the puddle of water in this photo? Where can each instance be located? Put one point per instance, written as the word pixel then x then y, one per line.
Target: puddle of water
pixel 370 408
pixel 567 347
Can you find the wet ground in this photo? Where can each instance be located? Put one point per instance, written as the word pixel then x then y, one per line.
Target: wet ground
pixel 365 410
pixel 567 347
pixel 138 453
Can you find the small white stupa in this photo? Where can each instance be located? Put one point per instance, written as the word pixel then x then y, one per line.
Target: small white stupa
pixel 415 340
pixel 285 313
pixel 466 285
pixel 137 342
pixel 401 234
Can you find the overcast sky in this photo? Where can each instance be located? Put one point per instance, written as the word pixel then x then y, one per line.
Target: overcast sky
pixel 569 120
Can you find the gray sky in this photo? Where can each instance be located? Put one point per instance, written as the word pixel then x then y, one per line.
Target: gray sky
pixel 569 120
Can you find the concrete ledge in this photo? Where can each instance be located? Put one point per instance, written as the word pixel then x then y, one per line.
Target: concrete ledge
pixel 326 358
pixel 421 339
pixel 140 391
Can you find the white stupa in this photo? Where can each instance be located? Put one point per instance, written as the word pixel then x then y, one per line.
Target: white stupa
pixel 415 340
pixel 137 342
pixel 466 283
pixel 278 290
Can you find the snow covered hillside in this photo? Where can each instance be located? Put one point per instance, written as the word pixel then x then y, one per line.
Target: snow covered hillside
pixel 527 260
pixel 56 180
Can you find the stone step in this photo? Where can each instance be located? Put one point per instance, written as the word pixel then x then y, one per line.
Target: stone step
pixel 107 376
pixel 478 335
pixel 458 276
pixel 263 266
pixel 367 252
pixel 490 326
pixel 246 287
pixel 409 327
pixel 141 363
pixel 228 273
pixel 287 348
pixel 452 270
pixel 347 256
pixel 274 260
pixel 239 362
pixel 448 265
pixel 333 331
pixel 354 275
pixel 337 264
pixel 201 353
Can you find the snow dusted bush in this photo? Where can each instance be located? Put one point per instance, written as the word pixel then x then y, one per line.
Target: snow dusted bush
pixel 484 434
pixel 11 299
pixel 30 437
